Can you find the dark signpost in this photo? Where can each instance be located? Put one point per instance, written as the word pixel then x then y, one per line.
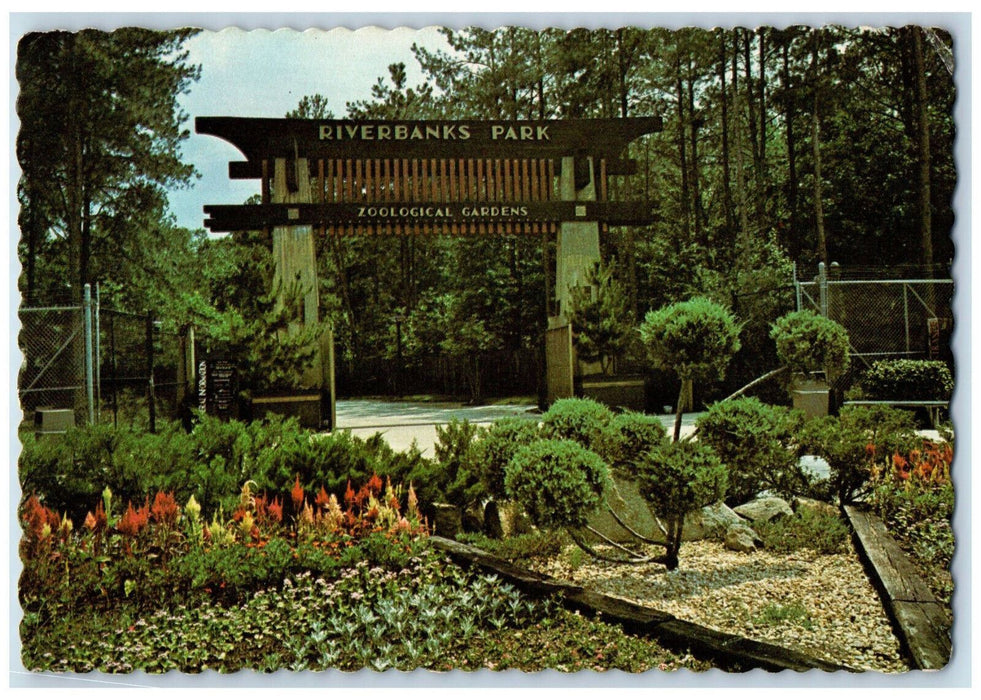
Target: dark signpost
pixel 343 178
pixel 218 388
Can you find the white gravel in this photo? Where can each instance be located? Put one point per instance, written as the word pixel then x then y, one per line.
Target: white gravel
pixel 819 604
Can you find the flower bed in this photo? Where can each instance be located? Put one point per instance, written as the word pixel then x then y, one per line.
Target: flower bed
pixel 305 584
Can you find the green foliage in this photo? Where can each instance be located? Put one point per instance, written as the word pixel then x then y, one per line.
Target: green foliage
pixel 584 421
pixel 496 446
pixel 525 546
pixel 631 434
pixel 808 528
pixel 679 477
pixel 807 342
pixel 675 479
pixel 908 380
pixel 455 474
pixel 695 338
pixel 852 442
pixel 558 482
pixel 757 442
pixel 602 322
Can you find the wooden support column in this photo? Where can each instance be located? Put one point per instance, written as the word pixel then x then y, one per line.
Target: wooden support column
pixel 576 251
pixel 295 276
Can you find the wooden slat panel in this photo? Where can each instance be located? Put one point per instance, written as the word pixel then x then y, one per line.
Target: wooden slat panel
pixel 603 193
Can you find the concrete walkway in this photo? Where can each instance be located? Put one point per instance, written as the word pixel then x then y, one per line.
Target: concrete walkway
pixel 403 422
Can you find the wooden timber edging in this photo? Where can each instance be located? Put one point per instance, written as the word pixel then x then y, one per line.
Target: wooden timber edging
pixel 920 621
pixel 729 651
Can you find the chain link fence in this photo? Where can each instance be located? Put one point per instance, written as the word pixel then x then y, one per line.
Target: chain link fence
pixel 87 364
pixel 889 313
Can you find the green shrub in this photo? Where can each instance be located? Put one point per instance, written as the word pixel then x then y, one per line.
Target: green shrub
pixel 632 434
pixel 695 338
pixel 908 380
pixel 806 529
pixel 852 442
pixel 583 421
pixel 677 478
pixel 524 546
pixel 453 477
pixel 757 442
pixel 496 446
pixel 558 482
pixel 807 342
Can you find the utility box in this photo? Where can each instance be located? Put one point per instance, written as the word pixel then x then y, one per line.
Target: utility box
pixel 53 421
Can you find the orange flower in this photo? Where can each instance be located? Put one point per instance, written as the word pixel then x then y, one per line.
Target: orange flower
pixel 322 498
pixel 276 510
pixel 297 494
pixel 349 495
pixel 165 509
pixel 375 485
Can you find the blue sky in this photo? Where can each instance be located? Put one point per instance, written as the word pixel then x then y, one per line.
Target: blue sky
pixel 262 73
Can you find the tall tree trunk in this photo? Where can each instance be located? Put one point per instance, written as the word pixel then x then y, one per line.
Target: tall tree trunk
pixel 923 148
pixel 793 242
pixel 822 244
pixel 750 106
pixel 744 235
pixel 696 197
pixel 685 192
pixel 724 100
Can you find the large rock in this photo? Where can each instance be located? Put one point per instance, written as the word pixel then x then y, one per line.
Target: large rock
pixel 740 537
pixel 505 519
pixel 710 521
pixel 814 505
pixel 624 497
pixel 764 509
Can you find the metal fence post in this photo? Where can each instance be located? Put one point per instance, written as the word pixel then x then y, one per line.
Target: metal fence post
pixel 89 377
pixel 98 357
pixel 823 288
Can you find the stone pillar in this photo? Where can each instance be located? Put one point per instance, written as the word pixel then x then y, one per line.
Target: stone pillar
pixel 295 274
pixel 577 248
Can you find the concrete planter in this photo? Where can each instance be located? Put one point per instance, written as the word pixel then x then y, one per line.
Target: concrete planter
pixel 811 397
pixel 624 391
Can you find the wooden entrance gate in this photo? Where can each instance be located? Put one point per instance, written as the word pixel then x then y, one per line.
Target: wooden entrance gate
pixel 398 178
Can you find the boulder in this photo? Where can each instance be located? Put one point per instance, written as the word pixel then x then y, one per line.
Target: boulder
pixel 764 509
pixel 740 537
pixel 812 504
pixel 710 521
pixel 624 497
pixel 505 519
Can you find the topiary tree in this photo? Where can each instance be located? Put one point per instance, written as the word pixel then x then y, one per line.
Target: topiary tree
pixel 496 446
pixel 807 342
pixel 631 434
pixel 677 478
pixel 757 442
pixel 695 338
pixel 558 482
pixel 584 421
pixel 909 380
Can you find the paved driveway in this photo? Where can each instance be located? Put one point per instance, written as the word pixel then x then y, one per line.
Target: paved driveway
pixel 402 422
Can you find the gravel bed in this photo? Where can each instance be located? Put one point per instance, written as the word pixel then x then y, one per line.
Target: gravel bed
pixel 819 604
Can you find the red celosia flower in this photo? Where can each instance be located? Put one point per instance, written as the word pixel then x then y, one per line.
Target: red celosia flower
pixel 371 514
pixel 89 521
pixel 101 520
pixel 276 510
pixel 35 515
pixel 165 510
pixel 297 494
pixel 349 495
pixel 375 485
pixel 870 450
pixel 238 514
pixel 322 498
pixel 133 520
pixel 898 461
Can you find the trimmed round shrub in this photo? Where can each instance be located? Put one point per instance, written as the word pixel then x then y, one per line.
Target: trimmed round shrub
pixel 680 477
pixel 757 443
pixel 807 342
pixel 631 435
pixel 584 421
pixel 495 448
pixel 558 482
pixel 695 338
pixel 908 380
